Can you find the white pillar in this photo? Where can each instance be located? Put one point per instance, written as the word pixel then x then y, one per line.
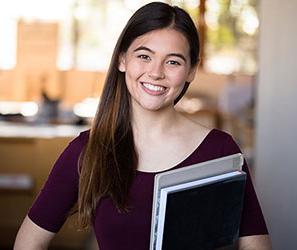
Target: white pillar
pixel 276 121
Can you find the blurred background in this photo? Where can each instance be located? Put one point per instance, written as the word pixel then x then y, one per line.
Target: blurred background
pixel 54 55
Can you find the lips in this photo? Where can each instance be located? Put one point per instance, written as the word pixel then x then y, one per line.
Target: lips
pixel 153 89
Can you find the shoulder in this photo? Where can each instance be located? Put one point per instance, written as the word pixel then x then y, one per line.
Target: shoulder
pixel 66 165
pixel 212 135
pixel 220 136
pixel 73 150
pixel 220 143
pixel 83 137
pixel 191 129
pixel 62 185
pixel 214 142
pixel 81 140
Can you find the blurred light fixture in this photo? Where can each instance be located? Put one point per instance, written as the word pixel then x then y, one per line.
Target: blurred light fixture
pixel 87 108
pixel 23 108
pixel 29 109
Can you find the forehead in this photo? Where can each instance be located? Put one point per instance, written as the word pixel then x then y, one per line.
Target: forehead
pixel 163 40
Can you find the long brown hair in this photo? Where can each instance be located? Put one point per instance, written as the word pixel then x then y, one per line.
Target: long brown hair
pixel 109 161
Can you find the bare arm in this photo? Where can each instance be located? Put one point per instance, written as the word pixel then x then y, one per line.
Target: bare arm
pixel 255 242
pixel 32 237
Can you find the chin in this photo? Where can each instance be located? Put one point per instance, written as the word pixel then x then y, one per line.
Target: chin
pixel 154 106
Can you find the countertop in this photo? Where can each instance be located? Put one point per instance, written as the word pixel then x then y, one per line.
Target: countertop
pixel 22 130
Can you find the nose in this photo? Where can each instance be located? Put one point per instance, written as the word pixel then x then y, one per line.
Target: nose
pixel 156 71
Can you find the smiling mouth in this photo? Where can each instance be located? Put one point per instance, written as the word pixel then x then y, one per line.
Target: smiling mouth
pixel 154 88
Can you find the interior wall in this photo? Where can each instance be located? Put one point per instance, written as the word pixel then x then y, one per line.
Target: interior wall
pixel 276 166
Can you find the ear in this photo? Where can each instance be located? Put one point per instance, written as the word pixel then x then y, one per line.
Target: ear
pixel 122 63
pixel 192 73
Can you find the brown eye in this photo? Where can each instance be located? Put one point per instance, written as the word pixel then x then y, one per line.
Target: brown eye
pixel 173 62
pixel 144 57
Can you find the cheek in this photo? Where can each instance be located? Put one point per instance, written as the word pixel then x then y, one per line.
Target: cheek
pixel 131 75
pixel 133 72
pixel 134 69
pixel 178 78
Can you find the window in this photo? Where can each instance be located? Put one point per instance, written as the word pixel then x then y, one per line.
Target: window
pixel 51 10
pixel 231 36
pixel 89 30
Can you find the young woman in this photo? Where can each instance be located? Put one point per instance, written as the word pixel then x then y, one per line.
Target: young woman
pixel 109 170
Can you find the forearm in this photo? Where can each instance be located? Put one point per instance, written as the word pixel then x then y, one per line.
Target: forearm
pixel 254 242
pixel 32 237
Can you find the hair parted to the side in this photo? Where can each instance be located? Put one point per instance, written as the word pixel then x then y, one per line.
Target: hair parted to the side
pixel 109 161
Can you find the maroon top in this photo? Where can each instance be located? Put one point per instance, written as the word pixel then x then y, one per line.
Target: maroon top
pixel 131 230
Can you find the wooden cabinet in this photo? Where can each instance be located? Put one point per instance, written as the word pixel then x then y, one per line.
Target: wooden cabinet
pixel 35 157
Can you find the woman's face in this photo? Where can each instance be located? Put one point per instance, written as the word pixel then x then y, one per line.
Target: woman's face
pixel 157 65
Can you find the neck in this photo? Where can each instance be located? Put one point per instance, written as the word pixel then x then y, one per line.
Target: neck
pixel 153 123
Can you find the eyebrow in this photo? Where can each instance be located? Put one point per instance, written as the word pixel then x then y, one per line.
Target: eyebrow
pixel 170 54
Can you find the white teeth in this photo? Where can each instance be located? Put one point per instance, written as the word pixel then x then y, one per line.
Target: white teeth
pixel 153 87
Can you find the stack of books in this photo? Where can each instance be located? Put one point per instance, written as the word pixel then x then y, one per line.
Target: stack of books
pixel 199 207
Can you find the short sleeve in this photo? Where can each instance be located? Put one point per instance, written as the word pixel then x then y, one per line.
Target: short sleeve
pixel 252 220
pixel 60 192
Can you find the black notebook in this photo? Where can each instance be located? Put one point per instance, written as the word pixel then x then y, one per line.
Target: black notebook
pixel 200 214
